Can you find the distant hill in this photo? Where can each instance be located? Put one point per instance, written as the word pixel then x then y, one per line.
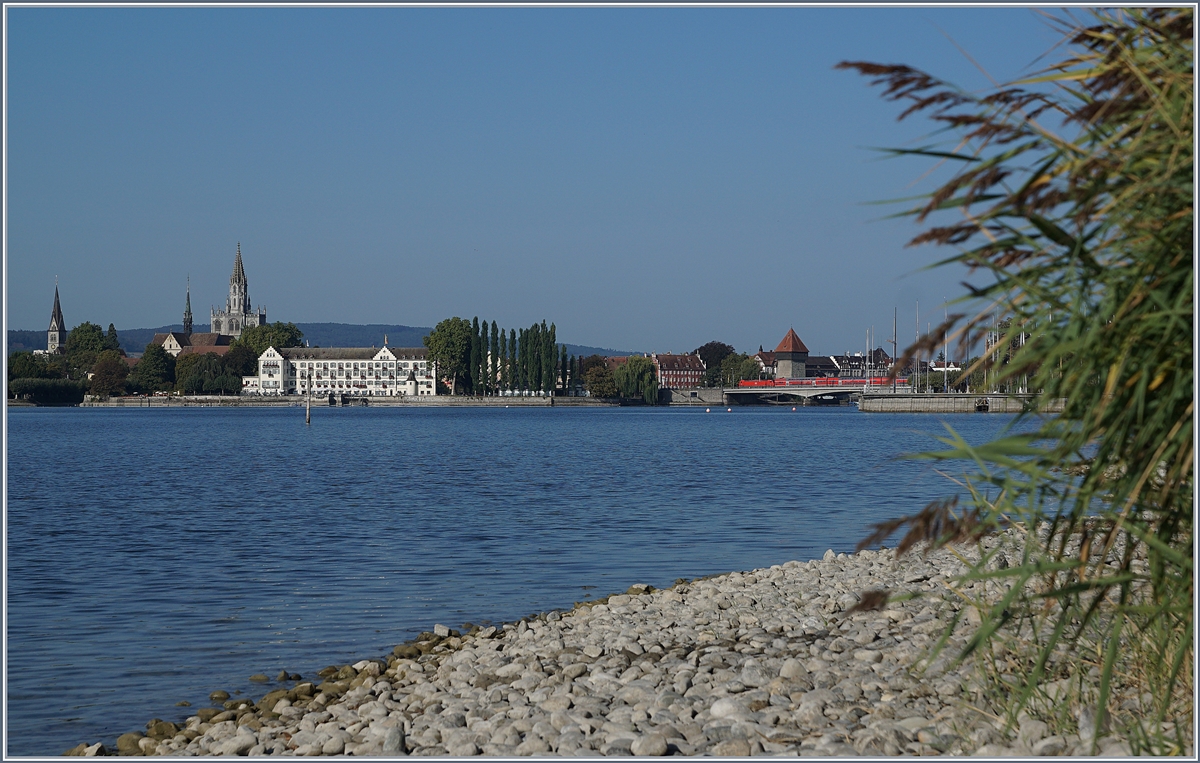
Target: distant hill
pixel 26 340
pixel 371 335
pixel 316 334
pixel 581 350
pixel 360 335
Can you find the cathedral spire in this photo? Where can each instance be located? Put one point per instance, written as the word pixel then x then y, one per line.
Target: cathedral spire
pixel 187 308
pixel 238 314
pixel 239 274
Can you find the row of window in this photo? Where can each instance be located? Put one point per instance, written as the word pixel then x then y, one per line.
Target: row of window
pixel 356 366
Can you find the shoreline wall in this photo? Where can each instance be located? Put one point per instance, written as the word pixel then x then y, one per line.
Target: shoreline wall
pixel 294 401
pixel 954 403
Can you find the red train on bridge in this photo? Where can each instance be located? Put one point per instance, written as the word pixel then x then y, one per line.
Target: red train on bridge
pixel 832 381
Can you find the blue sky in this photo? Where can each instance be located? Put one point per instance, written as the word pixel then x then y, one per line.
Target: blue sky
pixel 646 178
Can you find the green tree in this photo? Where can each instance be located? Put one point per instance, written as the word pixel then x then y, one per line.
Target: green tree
pixel 523 360
pixel 549 358
pixel 224 384
pixel 637 377
pixel 26 365
pixel 473 359
pixel 240 361
pixel 196 373
pixel 513 359
pixel 590 362
pixel 536 345
pixel 49 391
pixel 503 355
pixel 484 383
pixel 494 360
pixel 86 337
pixel 600 382
pixel 450 347
pixel 970 378
pixel 183 368
pixel 1086 240
pixel 564 368
pixel 154 371
pixel 737 367
pixel 83 348
pixel 712 353
pixel 111 342
pixel 108 374
pixel 277 335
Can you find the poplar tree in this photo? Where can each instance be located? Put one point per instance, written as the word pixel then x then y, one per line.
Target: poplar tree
pixel 502 357
pixel 512 359
pixel 562 365
pixel 494 359
pixel 473 373
pixel 549 358
pixel 535 360
pixel 523 360
pixel 481 385
pixel 483 359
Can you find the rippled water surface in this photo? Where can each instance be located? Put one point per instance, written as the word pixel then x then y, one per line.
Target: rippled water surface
pixel 154 556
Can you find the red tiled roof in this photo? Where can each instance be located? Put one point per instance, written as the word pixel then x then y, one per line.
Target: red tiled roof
pixel 767 358
pixel 219 349
pixel 791 343
pixel 207 339
pixel 668 362
pixel 613 362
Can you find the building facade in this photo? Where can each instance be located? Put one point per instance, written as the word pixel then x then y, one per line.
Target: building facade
pixel 238 314
pixel 678 371
pixel 56 336
pixel 356 371
pixel 766 363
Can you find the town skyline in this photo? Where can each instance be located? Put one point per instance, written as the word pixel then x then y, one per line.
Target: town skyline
pixel 59 326
pixel 653 178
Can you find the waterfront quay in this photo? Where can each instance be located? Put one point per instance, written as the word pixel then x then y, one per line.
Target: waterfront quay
pixel 901 402
pixel 299 401
pixel 880 402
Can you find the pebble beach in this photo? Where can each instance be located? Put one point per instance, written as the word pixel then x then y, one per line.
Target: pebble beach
pixel 766 662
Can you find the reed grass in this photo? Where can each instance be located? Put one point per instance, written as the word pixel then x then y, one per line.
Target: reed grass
pixel 1072 197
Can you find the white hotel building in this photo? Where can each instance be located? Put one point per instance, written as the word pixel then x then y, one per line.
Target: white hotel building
pixel 361 371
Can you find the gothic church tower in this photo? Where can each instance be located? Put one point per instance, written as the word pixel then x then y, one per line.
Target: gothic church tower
pixel 56 336
pixel 187 309
pixel 238 314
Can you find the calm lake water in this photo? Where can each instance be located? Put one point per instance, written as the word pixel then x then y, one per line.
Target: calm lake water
pixel 155 556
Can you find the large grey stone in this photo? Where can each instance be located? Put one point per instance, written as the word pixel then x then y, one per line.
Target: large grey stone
pixel 793 668
pixel 727 707
pixel 393 741
pixel 653 745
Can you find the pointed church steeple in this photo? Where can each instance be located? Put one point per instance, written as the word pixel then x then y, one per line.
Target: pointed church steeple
pixel 239 274
pixel 187 309
pixel 239 291
pixel 56 339
pixel 238 314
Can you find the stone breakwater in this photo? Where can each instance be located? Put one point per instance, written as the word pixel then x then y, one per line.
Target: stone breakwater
pixel 748 663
